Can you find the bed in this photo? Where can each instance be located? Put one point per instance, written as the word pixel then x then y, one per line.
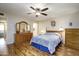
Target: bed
pixel 47 42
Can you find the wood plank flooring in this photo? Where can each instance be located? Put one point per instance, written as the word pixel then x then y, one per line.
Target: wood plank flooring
pixel 26 49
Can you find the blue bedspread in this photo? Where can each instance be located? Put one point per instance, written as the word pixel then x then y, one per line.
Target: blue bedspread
pixel 49 41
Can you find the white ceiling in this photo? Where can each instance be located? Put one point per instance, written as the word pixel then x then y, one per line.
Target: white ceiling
pixel 56 10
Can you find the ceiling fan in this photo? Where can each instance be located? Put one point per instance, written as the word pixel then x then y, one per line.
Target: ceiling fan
pixel 39 11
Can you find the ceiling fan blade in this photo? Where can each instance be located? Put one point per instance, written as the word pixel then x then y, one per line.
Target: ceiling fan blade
pixel 29 13
pixel 32 8
pixel 44 14
pixel 44 9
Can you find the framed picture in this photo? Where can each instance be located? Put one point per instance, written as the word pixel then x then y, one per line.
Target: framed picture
pixel 53 23
pixel 70 23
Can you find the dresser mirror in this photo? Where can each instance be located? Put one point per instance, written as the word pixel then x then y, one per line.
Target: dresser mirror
pixel 22 27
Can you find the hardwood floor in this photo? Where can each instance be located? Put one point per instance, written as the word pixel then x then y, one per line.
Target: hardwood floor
pixel 26 49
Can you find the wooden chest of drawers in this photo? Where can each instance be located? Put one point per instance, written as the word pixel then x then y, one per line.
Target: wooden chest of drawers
pixel 22 37
pixel 72 38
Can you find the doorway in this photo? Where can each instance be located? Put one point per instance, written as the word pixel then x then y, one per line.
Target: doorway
pixel 35 29
pixel 3 46
pixel 2 29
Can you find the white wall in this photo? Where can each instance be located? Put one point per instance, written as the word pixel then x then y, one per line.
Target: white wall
pixel 11 23
pixel 43 25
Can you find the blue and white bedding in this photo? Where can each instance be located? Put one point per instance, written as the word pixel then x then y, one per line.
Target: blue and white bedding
pixel 49 40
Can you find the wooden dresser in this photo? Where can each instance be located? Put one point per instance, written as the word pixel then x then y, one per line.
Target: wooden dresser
pixel 22 37
pixel 72 38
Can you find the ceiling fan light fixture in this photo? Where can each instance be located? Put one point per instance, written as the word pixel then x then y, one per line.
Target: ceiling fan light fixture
pixel 37 13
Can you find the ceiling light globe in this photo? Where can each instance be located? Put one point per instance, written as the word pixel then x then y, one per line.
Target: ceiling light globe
pixel 37 13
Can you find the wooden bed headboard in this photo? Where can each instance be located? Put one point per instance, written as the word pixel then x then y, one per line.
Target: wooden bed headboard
pixel 55 31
